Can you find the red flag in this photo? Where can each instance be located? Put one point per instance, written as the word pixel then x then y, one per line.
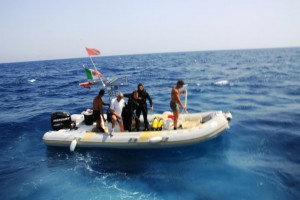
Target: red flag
pixel 92 51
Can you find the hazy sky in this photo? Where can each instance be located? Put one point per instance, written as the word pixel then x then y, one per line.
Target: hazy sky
pixel 55 29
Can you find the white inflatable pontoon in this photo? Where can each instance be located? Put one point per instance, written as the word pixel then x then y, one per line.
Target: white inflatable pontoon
pixel 194 128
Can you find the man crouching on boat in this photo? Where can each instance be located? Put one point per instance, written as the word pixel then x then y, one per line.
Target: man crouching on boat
pixel 175 101
pixel 116 108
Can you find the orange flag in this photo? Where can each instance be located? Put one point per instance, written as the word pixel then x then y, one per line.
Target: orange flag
pixel 92 51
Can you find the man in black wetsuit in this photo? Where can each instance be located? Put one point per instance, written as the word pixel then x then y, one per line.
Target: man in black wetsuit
pixel 128 111
pixel 143 96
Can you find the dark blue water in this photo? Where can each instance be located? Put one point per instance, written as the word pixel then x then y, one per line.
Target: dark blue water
pixel 258 158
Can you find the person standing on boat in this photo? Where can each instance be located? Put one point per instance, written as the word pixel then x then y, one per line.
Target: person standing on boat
pixel 116 108
pixel 128 113
pixel 143 96
pixel 98 110
pixel 175 101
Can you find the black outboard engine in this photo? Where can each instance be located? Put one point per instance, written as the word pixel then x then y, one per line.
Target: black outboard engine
pixel 60 120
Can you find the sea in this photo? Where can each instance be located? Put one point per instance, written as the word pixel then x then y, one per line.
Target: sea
pixel 257 158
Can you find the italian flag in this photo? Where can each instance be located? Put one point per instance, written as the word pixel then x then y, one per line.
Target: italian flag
pixel 93 74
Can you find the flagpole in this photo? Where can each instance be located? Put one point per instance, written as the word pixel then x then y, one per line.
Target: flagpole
pixel 93 63
pixel 97 71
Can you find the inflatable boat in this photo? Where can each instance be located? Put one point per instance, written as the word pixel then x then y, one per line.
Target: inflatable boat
pixel 80 132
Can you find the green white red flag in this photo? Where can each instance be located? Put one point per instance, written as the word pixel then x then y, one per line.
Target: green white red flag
pixel 93 74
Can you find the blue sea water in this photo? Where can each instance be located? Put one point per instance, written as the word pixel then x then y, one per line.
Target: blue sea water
pixel 257 158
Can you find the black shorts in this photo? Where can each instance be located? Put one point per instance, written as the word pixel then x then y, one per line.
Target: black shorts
pixel 96 114
pixel 174 106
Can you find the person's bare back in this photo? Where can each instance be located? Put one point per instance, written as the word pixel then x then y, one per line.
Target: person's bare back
pixel 175 95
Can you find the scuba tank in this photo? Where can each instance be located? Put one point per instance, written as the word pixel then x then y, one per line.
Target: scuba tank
pixel 160 124
pixel 155 123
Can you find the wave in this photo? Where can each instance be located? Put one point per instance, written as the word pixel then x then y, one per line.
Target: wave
pixel 221 83
pixel 31 80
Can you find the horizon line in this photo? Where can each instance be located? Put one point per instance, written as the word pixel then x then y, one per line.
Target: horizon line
pixel 166 52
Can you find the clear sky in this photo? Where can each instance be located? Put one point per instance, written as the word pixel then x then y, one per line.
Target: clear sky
pixel 55 29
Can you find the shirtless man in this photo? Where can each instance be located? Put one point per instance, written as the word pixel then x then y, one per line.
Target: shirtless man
pixel 175 101
pixel 98 110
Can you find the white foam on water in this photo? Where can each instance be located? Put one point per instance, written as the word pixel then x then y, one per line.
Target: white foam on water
pixel 222 82
pixel 31 80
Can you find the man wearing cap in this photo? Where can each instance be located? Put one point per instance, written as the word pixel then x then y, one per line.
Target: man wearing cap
pixel 143 96
pixel 116 108
pixel 175 101
pixel 98 110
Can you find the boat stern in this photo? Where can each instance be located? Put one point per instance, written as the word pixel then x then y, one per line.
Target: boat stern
pixel 228 116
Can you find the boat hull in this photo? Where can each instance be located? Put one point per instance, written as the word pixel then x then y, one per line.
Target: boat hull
pixel 196 128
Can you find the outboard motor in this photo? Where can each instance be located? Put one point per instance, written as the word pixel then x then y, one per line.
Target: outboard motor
pixel 60 120
pixel 228 116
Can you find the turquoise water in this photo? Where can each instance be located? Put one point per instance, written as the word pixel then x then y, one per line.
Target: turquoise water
pixel 257 158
